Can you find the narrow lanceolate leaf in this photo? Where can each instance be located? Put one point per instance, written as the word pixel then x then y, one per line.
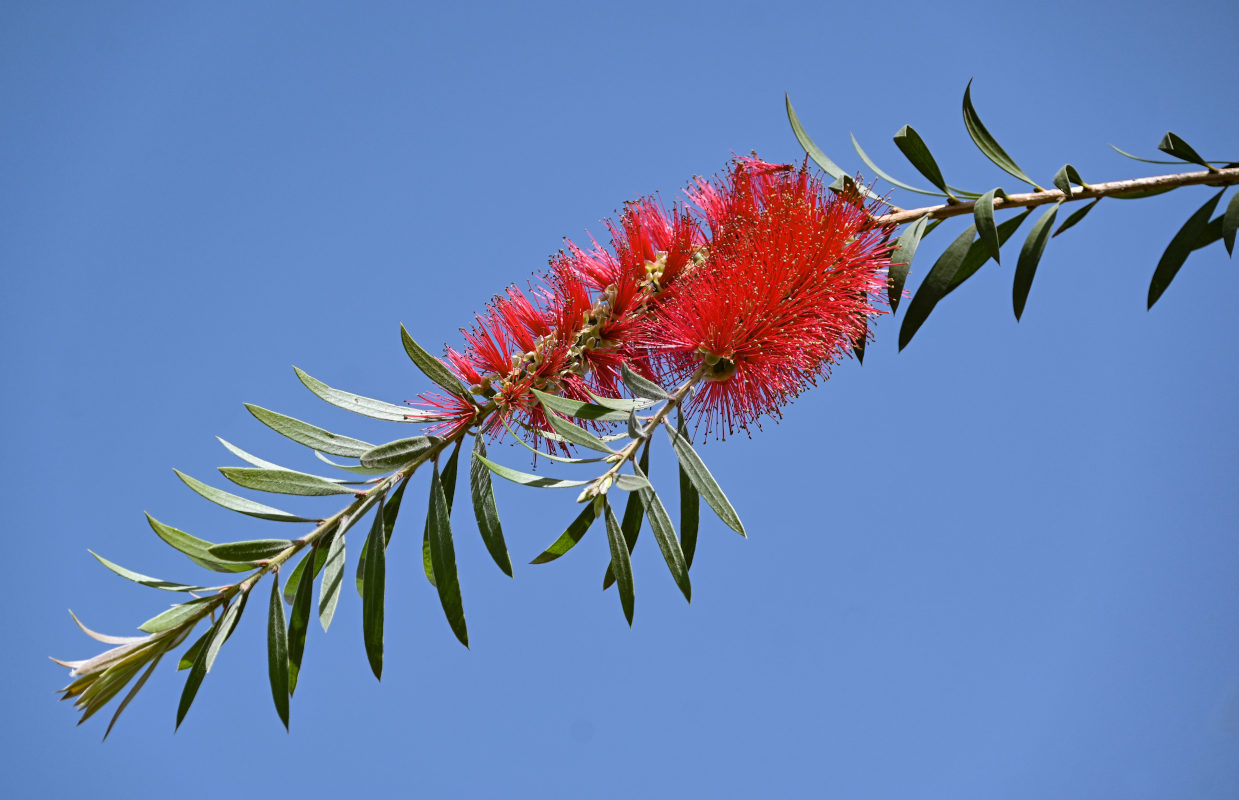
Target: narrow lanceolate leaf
pixel 1172 145
pixel 690 517
pixel 914 149
pixel 901 260
pixel 642 387
pixel 983 213
pixel 251 551
pixel 858 343
pixel 623 404
pixel 448 479
pixel 1067 176
pixel 1075 217
pixel 314 561
pixel 664 534
pixel 444 556
pixel 391 508
pixel 192 546
pixel 986 143
pixel 133 692
pixel 978 254
pixel 881 174
pixel 176 615
pixel 309 435
pixel 631 483
pixel 1230 223
pixel 704 482
pixel 821 159
pixel 227 623
pixel 630 524
pixel 568 539
pixel 191 654
pixel 356 469
pixel 432 367
pixel 526 479
pixel 277 652
pixel 283 481
pixel 154 583
pixel 373 593
pixel 1030 256
pixel 485 510
pixel 580 409
pixel 196 673
pixel 621 564
pixel 934 286
pixel 576 434
pixel 394 455
pixel 1180 247
pixel 237 503
pixel 248 458
pixel 299 624
pixel 333 579
pixel 376 409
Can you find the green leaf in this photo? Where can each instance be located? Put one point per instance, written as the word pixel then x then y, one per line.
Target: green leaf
pixel 299 621
pixel 394 455
pixel 630 483
pixel 250 551
pixel 391 509
pixel 375 409
pixel 373 593
pixel 356 469
pixel 568 539
pixel 283 481
pixel 1209 234
pixel 620 562
pixel 1126 154
pixel 821 159
pixel 316 559
pixel 154 583
pixel 192 546
pixel 690 517
pixel 1172 145
pixel 664 534
pixel 630 524
pixel 516 437
pixel 1075 217
pixel 1180 247
pixel 623 404
pixel 234 502
pixel 704 481
pixel 309 435
pixel 878 171
pixel 191 654
pixel 485 510
pixel 580 410
pixel 642 387
pixel 574 433
pixel 1230 223
pixel 137 687
pixel 444 556
pixel 988 145
pixel 1030 256
pixel 978 253
pixel 901 260
pixel 858 342
pixel 1067 176
pixel 248 458
pixel 432 367
pixel 196 674
pixel 176 615
pixel 983 212
pixel 935 285
pixel 449 492
pixel 228 622
pixel 526 479
pixel 333 576
pixel 913 148
pixel 277 652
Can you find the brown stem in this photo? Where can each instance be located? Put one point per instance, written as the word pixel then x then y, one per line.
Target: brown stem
pixel 1219 177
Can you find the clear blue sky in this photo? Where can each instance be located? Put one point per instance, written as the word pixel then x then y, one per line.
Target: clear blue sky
pixel 999 564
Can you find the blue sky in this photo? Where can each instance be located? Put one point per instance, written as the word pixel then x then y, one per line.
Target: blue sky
pixel 999 563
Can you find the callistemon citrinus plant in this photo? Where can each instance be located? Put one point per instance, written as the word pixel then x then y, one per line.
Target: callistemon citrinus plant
pixel 721 310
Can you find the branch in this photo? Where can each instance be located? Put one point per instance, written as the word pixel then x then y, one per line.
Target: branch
pixel 1153 185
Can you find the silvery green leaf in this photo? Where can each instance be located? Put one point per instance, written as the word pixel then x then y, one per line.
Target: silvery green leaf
pixel 526 479
pixel 284 481
pixel 234 502
pixel 579 408
pixel 432 367
pixel 704 481
pixel 642 387
pixel 394 455
pixel 192 546
pixel 309 435
pixel 375 409
pixel 154 583
pixel 253 550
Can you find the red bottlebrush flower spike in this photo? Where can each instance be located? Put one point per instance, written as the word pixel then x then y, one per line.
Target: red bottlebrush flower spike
pixel 776 292
pixel 786 289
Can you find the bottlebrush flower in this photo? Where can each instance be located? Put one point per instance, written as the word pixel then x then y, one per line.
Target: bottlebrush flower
pixel 786 289
pixel 766 282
